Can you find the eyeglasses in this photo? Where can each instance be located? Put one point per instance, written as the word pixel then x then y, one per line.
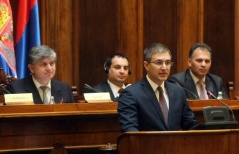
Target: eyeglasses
pixel 160 63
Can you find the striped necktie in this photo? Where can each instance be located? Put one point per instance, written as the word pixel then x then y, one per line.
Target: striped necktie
pixel 163 105
pixel 202 90
pixel 45 99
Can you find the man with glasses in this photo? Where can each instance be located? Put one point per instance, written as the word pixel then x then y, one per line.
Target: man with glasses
pixel 153 104
pixel 197 80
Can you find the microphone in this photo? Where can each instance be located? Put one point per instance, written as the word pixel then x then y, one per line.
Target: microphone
pixel 4 89
pixel 90 88
pixel 194 95
pixel 211 94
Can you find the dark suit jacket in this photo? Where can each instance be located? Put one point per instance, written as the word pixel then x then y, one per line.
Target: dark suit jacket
pixel 139 109
pixel 105 87
pixel 59 90
pixel 214 84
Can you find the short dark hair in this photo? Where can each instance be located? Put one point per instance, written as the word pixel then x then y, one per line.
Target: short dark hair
pixel 199 45
pixel 154 48
pixel 108 60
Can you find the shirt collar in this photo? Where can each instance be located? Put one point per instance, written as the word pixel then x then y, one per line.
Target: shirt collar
pixel 115 88
pixel 195 79
pixel 37 84
pixel 154 85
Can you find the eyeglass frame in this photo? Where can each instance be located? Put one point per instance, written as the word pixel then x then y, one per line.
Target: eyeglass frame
pixel 168 63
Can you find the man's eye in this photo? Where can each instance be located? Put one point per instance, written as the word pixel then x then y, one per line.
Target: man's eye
pixel 207 61
pixel 158 62
pixel 52 63
pixel 43 64
pixel 126 68
pixel 117 67
pixel 199 60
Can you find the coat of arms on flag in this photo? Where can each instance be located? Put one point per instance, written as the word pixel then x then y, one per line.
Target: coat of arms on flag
pixel 7 54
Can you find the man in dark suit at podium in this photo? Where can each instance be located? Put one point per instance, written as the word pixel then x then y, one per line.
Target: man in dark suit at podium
pixel 116 66
pixel 199 63
pixel 153 104
pixel 42 64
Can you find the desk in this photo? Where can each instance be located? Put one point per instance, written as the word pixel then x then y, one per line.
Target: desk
pixel 198 105
pixel 76 125
pixel 42 126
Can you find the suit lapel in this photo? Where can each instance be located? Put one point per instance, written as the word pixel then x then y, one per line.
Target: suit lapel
pixel 171 101
pixel 152 97
pixel 56 91
pixel 209 86
pixel 31 88
pixel 108 89
pixel 189 84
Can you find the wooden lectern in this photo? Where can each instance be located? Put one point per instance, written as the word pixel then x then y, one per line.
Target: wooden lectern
pixel 179 142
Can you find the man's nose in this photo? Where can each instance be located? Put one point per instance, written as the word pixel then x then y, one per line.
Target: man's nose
pixel 48 66
pixel 122 70
pixel 164 66
pixel 203 62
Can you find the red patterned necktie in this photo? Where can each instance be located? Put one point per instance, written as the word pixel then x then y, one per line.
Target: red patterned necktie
pixel 119 91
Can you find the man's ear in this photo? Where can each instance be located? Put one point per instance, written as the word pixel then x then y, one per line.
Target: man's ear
pixel 146 65
pixel 189 62
pixel 30 66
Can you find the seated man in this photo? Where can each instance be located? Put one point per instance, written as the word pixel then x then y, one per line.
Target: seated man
pixel 197 80
pixel 116 67
pixel 42 64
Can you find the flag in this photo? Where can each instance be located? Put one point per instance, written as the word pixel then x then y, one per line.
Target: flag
pixel 7 54
pixel 27 34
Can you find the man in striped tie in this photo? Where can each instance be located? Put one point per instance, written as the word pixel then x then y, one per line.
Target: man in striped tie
pixel 197 79
pixel 42 64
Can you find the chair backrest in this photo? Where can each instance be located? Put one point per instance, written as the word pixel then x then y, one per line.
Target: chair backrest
pixel 3 77
pixel 230 90
pixel 232 93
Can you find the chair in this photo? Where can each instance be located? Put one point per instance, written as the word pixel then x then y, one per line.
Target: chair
pixel 232 93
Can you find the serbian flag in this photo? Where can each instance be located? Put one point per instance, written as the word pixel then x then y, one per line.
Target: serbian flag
pixel 7 54
pixel 27 34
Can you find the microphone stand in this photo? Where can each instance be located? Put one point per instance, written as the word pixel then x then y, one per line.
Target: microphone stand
pixel 211 94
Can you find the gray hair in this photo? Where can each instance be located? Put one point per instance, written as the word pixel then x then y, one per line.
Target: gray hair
pixel 40 52
pixel 155 48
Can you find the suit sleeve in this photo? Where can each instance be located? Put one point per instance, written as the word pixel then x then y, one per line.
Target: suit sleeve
pixel 224 92
pixel 10 88
pixel 71 99
pixel 127 110
pixel 188 119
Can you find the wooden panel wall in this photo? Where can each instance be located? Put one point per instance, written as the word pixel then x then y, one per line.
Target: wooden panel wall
pixel 236 59
pixel 160 24
pixel 85 32
pixel 219 33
